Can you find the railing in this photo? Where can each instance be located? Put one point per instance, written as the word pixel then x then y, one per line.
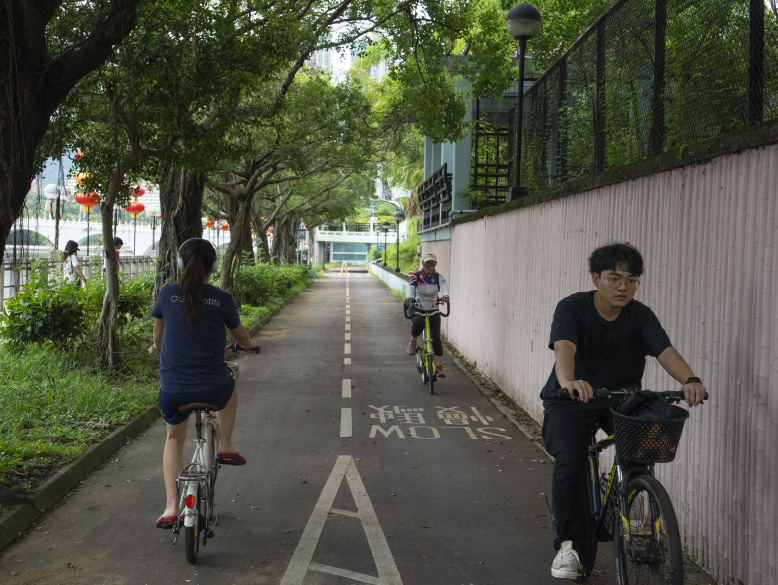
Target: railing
pixel 14 275
pixel 435 196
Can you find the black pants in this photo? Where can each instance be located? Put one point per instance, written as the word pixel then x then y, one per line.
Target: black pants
pixel 418 327
pixel 567 427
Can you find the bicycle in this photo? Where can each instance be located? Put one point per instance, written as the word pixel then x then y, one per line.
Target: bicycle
pixel 197 481
pixel 425 355
pixel 628 505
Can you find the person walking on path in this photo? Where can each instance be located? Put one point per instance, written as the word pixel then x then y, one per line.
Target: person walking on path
pixel 71 267
pixel 190 317
pixel 600 339
pixel 422 290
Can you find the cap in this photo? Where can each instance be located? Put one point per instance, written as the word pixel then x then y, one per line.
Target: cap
pixel 429 258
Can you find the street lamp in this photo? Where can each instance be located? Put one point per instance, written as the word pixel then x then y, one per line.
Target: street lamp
pixel 398 217
pixel 522 22
pixel 386 229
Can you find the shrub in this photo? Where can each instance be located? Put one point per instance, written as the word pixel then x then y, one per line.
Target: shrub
pixel 261 283
pixel 42 311
pixel 54 311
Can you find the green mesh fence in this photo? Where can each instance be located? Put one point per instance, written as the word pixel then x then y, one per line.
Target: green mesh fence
pixel 649 76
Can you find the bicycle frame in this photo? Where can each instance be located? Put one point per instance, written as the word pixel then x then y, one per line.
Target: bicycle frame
pixel 196 482
pixel 425 354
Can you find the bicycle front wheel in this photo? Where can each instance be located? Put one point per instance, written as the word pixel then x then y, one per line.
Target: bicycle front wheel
pixel 431 372
pixel 648 551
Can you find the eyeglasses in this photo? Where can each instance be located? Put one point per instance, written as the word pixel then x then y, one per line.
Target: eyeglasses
pixel 616 282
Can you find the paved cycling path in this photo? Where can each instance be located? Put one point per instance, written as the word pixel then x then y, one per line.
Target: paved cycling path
pixel 356 474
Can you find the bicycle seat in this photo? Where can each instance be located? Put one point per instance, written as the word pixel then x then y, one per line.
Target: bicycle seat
pixel 198 406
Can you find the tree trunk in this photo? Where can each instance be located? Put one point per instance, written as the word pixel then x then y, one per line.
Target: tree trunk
pixel 107 340
pixel 181 199
pixel 285 242
pixel 232 256
pixel 32 86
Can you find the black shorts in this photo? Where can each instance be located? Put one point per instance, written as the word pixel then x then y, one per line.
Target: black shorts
pixel 170 401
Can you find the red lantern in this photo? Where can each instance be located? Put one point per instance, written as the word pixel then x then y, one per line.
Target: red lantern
pixel 136 191
pixel 225 227
pixel 134 208
pixel 87 200
pixel 209 223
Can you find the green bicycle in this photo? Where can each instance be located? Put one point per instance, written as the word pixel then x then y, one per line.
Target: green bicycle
pixel 425 355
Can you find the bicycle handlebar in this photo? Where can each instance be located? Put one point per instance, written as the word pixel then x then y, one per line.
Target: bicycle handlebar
pixel 429 312
pixel 235 346
pixel 602 393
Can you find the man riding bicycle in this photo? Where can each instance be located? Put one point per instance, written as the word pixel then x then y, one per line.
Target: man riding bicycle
pixel 600 339
pixel 422 292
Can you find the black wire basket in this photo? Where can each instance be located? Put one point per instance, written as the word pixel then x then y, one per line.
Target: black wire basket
pixel 648 441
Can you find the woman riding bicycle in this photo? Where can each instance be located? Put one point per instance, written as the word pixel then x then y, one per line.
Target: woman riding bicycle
pixel 422 291
pixel 189 321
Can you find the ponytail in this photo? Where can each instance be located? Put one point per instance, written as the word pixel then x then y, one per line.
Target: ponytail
pixel 196 260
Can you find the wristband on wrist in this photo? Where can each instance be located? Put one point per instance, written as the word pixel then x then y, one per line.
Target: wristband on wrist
pixel 693 380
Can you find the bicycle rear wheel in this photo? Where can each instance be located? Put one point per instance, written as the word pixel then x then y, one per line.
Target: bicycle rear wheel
pixel 651 552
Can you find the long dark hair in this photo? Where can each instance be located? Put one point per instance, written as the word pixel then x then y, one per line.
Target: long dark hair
pixel 196 258
pixel 70 248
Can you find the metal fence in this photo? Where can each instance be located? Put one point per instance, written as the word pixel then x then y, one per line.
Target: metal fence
pixel 649 76
pixel 15 274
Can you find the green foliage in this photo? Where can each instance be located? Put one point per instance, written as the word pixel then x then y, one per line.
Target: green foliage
pixel 55 403
pixel 267 284
pixel 43 310
pixel 47 309
pixel 408 259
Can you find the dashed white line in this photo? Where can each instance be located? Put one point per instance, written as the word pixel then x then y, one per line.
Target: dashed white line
pixel 346 389
pixel 345 423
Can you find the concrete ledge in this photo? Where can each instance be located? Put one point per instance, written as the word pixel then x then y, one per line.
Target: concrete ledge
pixel 397 281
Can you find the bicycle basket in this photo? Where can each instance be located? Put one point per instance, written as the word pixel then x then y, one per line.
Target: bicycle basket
pixel 648 441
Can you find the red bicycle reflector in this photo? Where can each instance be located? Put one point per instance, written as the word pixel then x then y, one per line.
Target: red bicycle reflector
pixel 190 501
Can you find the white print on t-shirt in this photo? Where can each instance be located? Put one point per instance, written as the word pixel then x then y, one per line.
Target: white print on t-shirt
pixel 178 299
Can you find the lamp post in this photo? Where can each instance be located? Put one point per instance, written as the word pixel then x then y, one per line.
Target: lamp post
pixel 398 217
pixel 386 230
pixel 522 22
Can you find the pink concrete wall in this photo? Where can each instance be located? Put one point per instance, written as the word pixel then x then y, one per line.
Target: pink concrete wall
pixel 708 235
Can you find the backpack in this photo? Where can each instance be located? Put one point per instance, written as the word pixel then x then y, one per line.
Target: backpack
pixel 647 406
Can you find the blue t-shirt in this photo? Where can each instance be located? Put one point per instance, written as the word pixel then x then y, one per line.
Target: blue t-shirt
pixel 192 355
pixel 609 354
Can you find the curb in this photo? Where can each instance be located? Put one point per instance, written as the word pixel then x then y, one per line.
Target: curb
pixel 33 506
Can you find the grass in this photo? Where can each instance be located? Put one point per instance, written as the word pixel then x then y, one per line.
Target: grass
pixel 55 403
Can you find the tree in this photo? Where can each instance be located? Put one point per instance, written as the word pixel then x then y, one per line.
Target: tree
pixel 41 64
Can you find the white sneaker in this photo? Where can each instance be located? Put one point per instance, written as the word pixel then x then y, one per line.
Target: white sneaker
pixel 566 564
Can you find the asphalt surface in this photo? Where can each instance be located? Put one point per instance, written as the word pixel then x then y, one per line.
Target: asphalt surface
pixel 356 474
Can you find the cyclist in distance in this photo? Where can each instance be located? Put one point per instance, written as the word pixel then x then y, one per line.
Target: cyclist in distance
pixel 423 288
pixel 600 339
pixel 189 321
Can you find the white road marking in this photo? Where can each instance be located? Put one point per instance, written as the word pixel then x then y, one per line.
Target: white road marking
pixel 348 337
pixel 345 423
pixel 346 348
pixel 346 361
pixel 348 312
pixel 348 318
pixel 346 393
pixel 348 326
pixel 302 558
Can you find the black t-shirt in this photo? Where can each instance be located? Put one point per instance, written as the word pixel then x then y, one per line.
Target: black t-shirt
pixel 609 354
